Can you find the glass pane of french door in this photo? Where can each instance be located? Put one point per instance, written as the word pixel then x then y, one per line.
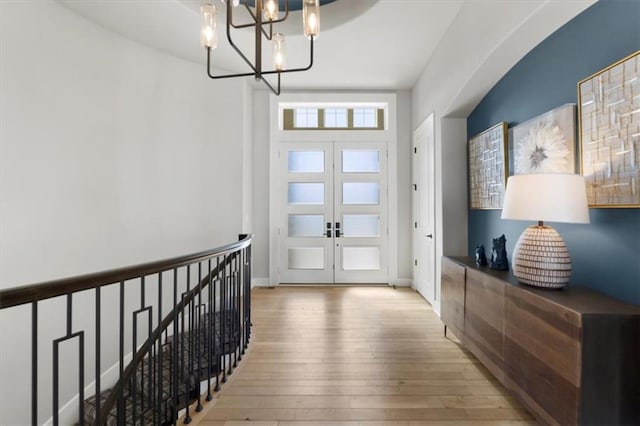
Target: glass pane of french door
pixel 334 226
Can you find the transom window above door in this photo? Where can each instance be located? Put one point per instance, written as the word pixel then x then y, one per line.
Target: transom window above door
pixel 333 118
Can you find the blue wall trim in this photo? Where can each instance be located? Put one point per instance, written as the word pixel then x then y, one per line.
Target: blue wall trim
pixel 605 253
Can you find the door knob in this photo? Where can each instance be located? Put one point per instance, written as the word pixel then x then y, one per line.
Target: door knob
pixel 429 235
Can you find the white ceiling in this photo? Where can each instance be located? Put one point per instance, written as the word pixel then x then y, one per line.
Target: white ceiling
pixel 465 46
pixel 363 44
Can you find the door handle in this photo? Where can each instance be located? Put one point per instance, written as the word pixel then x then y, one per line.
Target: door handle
pixel 429 235
pixel 328 233
pixel 337 229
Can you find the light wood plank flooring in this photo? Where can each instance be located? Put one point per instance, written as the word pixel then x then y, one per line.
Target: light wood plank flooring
pixel 356 356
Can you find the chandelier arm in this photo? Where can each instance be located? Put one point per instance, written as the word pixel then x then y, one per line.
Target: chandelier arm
pixel 275 92
pixel 230 40
pixel 246 74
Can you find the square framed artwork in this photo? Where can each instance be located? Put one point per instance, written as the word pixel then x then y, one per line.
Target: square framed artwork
pixel 546 143
pixel 488 168
pixel 609 118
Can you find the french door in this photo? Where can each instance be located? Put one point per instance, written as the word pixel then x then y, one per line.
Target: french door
pixel 334 222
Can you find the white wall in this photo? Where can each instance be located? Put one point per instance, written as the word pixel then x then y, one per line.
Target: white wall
pixel 405 212
pixel 111 154
pixel 260 254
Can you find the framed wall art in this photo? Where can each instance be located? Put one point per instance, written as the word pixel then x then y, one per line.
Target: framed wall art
pixel 546 143
pixel 609 117
pixel 488 168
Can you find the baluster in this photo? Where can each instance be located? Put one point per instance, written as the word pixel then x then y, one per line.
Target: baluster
pixel 69 312
pixel 243 325
pixel 134 380
pixel 98 369
pixel 209 331
pixel 229 316
pixel 121 405
pixel 216 336
pixel 81 380
pixel 34 363
pixel 247 296
pixel 239 306
pixel 223 317
pixel 56 363
pixel 236 311
pixel 199 336
pixel 187 418
pixel 159 351
pixel 174 360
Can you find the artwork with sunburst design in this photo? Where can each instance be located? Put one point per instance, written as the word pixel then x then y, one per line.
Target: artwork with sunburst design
pixel 609 114
pixel 546 143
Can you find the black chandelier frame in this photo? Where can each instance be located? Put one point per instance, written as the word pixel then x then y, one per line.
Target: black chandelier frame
pixel 260 31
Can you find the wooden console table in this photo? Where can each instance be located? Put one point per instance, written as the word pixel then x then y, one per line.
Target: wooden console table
pixel 572 356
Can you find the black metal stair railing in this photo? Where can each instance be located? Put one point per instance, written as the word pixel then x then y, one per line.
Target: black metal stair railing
pixel 186 350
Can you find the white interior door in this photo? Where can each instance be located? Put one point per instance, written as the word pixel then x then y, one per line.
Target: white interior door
pixel 424 213
pixel 334 223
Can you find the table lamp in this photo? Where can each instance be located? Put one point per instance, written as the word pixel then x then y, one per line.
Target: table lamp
pixel 541 257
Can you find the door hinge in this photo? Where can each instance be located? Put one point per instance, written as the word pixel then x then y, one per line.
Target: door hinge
pixel 415 186
pixel 415 149
pixel 415 262
pixel 415 225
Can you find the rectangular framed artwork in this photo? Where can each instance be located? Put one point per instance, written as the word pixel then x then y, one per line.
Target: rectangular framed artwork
pixel 609 115
pixel 546 143
pixel 488 167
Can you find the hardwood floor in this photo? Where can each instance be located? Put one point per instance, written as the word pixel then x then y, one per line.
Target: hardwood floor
pixel 356 356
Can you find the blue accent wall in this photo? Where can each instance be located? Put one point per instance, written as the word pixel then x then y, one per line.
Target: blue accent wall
pixel 605 253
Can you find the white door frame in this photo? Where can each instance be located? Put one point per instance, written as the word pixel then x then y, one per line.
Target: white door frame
pixel 277 135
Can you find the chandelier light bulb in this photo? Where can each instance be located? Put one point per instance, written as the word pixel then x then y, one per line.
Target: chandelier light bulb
pixel 311 18
pixel 279 58
pixel 208 32
pixel 270 11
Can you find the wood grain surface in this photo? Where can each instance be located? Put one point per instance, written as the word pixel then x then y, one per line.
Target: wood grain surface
pixel 452 286
pixel 572 356
pixel 484 320
pixel 356 356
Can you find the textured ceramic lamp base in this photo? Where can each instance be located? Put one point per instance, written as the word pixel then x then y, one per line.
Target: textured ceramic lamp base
pixel 541 258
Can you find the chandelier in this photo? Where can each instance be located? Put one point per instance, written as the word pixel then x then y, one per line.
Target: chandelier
pixel 264 16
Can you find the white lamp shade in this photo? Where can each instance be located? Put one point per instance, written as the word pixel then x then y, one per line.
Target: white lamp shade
pixel 546 197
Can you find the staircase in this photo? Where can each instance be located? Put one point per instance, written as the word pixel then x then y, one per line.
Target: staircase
pixel 189 346
pixel 186 373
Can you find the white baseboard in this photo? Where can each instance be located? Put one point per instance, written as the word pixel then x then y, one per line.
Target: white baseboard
pixel 265 282
pixel 260 282
pixel 402 282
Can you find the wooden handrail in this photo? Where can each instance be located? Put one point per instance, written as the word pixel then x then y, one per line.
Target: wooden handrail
pixel 30 293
